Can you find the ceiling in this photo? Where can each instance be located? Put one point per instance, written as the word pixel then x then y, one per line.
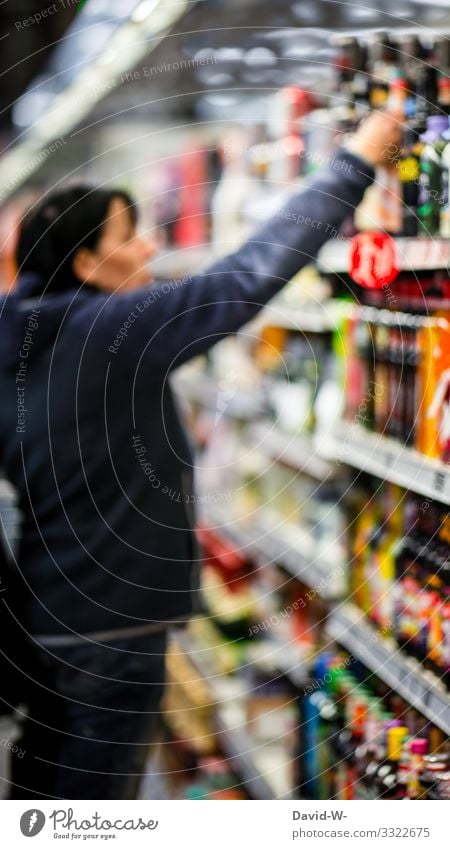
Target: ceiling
pixel 220 59
pixel 219 53
pixel 25 49
pixel 224 52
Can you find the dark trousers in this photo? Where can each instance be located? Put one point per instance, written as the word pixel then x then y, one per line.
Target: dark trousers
pixel 92 714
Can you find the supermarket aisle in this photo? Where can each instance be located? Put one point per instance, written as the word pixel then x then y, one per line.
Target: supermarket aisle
pixel 318 665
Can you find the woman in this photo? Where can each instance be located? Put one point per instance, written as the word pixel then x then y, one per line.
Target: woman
pixel 91 439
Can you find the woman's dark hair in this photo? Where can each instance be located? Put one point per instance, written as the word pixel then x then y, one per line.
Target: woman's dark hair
pixel 65 221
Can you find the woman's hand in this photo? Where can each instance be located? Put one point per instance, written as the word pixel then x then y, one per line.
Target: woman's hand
pixel 378 140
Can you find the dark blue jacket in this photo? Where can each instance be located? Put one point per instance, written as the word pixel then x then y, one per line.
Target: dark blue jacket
pixel 89 431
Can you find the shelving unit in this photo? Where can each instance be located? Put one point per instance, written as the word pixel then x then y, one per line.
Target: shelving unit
pixel 204 390
pixel 387 459
pixel 291 548
pixel 413 255
pixel 298 452
pixel 235 743
pixel 349 627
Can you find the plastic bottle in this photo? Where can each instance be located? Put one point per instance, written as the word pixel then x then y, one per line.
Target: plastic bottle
pixel 445 187
pixel 418 748
pixel 431 175
pixel 387 777
pixel 444 655
pixel 409 175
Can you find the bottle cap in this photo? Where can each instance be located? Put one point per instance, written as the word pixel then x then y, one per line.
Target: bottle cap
pixel 436 125
pixel 393 723
pixel 322 664
pixel 418 746
pixel 395 737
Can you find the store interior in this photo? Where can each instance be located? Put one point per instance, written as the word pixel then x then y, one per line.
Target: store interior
pixel 319 667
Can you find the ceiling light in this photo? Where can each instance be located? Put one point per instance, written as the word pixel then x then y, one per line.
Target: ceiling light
pixel 260 56
pixel 143 10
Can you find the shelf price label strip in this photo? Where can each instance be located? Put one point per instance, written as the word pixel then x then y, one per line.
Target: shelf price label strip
pixel 395 669
pixel 382 457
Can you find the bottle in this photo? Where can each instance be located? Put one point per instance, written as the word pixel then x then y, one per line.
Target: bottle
pixel 312 732
pixel 433 425
pixel 360 84
pixel 431 175
pixel 359 706
pixel 391 545
pixel 411 364
pixel 406 592
pixel 354 371
pixel 366 527
pixel 342 742
pixel 445 187
pixel 381 402
pixel 367 755
pixel 433 767
pixel 336 691
pixel 426 88
pixel 365 347
pixel 418 748
pixel 382 59
pixel 395 382
pixel 432 634
pixel 387 777
pixel 425 601
pixel 398 94
pixel 409 175
pixel 410 54
pixel 442 62
pixel 442 789
pixel 386 720
pixel 443 669
pixel 444 93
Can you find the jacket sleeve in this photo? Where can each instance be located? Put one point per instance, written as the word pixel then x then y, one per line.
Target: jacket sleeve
pixel 165 324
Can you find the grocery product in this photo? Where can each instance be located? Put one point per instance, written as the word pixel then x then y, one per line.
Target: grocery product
pixel 430 194
pixel 361 742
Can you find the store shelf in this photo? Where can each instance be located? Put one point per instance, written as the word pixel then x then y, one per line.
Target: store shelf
pixel 234 742
pixel 413 254
pixel 387 459
pixel 290 547
pixel 349 627
pixel 319 318
pixel 178 262
pixel 298 452
pixel 205 390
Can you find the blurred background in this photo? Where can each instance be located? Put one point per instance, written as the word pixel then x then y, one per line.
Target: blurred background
pixel 323 509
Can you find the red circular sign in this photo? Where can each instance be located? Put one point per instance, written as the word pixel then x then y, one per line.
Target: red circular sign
pixel 373 260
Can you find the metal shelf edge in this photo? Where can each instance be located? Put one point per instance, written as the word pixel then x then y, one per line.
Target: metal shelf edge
pixel 347 626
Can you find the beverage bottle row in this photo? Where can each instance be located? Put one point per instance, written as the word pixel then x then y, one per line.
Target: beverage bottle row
pixel 359 744
pixel 397 380
pixel 400 572
pixel 411 78
pixel 421 183
pixel 408 74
